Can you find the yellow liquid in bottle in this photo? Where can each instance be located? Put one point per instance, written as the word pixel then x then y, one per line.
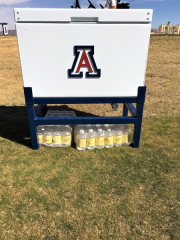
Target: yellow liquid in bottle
pixel 56 139
pixel 81 143
pixel 99 141
pixel 40 138
pixel 90 142
pixel 48 139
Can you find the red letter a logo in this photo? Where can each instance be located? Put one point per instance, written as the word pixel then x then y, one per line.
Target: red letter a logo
pixel 86 60
pixel 86 64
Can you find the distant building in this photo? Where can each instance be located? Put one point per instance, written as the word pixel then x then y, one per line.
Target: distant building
pixel 5 29
pixel 154 31
pixel 169 29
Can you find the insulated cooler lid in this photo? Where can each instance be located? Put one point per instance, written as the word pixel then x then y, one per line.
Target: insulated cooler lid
pixel 54 15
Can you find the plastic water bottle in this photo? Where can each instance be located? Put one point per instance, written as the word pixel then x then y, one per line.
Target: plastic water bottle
pixel 69 128
pixel 117 138
pixel 105 127
pixel 98 126
pixel 66 138
pixel 93 126
pixel 87 127
pixel 47 135
pixel 40 130
pixel 77 131
pixel 90 139
pixel 108 138
pixel 56 137
pixel 99 139
pixel 126 136
pixel 81 140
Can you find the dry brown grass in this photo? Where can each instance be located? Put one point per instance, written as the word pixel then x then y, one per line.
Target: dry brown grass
pixel 11 87
pixel 163 77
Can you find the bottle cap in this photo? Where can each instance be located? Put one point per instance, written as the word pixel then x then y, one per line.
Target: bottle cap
pixel 90 130
pixel 99 130
pixel 106 125
pixel 81 131
pixel 109 130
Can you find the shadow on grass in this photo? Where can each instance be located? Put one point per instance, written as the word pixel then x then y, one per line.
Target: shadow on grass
pixel 14 124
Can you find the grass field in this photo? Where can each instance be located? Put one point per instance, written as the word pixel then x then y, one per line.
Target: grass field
pixel 118 193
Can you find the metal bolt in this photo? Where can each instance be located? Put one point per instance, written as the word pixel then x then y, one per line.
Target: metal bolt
pixel 18 18
pixel 148 13
pixel 17 12
pixel 147 18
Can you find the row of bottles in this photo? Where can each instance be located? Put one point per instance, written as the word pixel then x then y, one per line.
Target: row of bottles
pixel 54 136
pixel 100 136
pixel 85 136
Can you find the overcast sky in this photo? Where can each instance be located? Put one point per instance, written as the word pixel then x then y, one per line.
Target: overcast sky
pixel 164 10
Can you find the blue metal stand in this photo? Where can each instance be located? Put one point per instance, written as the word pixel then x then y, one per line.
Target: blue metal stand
pixel 135 118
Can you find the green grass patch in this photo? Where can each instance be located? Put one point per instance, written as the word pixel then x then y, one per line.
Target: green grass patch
pixel 118 193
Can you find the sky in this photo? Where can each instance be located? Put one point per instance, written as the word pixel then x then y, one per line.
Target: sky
pixel 163 10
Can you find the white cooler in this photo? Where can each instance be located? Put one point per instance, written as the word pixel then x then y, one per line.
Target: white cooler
pixel 83 52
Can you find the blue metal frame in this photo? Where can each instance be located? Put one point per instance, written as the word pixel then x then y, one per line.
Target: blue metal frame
pixel 135 118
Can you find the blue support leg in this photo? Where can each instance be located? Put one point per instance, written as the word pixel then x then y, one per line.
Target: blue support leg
pixel 31 117
pixel 137 126
pixel 125 110
pixel 139 115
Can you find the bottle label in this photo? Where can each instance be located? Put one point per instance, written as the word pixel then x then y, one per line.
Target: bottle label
pixel 81 143
pixel 56 139
pixel 90 142
pixel 108 140
pixel 66 139
pixel 48 139
pixel 125 138
pixel 117 139
pixel 40 138
pixel 99 141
